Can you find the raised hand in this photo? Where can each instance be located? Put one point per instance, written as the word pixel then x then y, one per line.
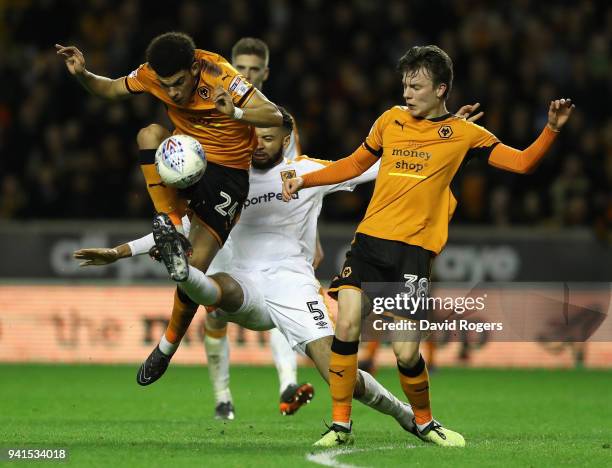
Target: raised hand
pixel 102 256
pixel 559 112
pixel 468 109
pixel 75 61
pixel 291 186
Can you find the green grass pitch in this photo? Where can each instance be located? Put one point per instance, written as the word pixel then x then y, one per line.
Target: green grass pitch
pixel 508 417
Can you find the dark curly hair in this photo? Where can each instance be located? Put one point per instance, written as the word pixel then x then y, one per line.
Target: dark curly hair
pixel 287 119
pixel 170 53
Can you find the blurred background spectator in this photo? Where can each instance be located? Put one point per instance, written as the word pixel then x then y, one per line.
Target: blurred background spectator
pixel 65 154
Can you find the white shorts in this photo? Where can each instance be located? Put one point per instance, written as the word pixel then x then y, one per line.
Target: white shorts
pixel 288 300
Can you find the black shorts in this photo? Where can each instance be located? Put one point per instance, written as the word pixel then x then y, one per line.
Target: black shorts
pixel 381 267
pixel 218 197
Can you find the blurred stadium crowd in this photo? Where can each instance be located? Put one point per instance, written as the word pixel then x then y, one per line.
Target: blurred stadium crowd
pixel 68 155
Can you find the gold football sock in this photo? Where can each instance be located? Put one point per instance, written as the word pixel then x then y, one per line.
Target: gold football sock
pixel 182 313
pixel 342 378
pixel 415 383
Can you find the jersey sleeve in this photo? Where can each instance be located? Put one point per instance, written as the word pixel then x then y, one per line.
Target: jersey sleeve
pixel 309 164
pixel 235 84
pixel 349 185
pixel 140 80
pixel 342 170
pixel 374 141
pixel 522 162
pixel 482 142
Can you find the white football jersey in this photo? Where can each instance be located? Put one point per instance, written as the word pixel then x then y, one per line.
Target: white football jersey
pixel 292 151
pixel 223 259
pixel 271 231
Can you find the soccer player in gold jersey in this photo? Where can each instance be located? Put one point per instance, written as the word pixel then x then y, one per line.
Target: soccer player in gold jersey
pixel 207 99
pixel 421 147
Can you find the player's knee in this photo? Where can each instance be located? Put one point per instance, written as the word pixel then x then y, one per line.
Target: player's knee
pixel 347 329
pixel 232 296
pixel 151 136
pixel 408 355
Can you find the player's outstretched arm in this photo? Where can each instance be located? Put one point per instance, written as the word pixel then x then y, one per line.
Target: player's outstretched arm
pixel 340 171
pixel 258 111
pixel 96 85
pixel 102 256
pixel 513 160
pixel 133 248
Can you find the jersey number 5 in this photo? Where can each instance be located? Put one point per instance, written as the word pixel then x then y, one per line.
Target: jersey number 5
pixel 318 313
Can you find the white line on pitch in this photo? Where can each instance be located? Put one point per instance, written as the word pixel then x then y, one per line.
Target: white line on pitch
pixel 328 457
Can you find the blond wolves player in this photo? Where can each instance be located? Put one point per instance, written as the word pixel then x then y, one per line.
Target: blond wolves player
pixel 421 147
pixel 250 56
pixel 206 98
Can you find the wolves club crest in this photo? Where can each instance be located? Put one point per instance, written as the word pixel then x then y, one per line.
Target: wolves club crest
pixel 445 131
pixel 204 92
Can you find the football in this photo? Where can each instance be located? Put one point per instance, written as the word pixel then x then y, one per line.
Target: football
pixel 180 161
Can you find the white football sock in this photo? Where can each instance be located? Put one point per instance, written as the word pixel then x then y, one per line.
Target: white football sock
pixel 284 359
pixel 200 288
pixel 217 355
pixel 166 347
pixel 379 398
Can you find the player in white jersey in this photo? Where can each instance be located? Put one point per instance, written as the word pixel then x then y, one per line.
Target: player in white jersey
pixel 271 281
pixel 250 56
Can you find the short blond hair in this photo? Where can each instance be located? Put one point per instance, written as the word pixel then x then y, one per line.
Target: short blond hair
pixel 251 46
